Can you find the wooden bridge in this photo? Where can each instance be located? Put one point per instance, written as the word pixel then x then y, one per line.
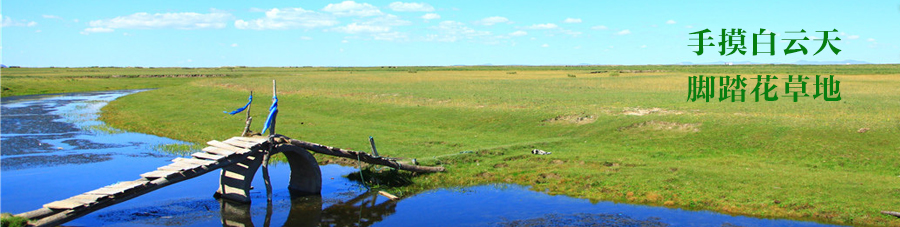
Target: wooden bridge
pixel 238 157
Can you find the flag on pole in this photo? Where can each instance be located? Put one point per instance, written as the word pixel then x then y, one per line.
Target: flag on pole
pixel 272 111
pixel 249 100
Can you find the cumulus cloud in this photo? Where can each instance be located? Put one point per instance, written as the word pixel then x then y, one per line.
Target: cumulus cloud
pixel 354 28
pixel 853 37
pixel 518 33
pixel 543 26
pixel 379 28
pixel 95 30
pixel 492 20
pixel 871 40
pixel 545 45
pixel 305 38
pixel 452 31
pixel 234 45
pixel 623 32
pixel 185 20
pixel 670 22
pixel 351 8
pixel 431 16
pixel 599 27
pixel 388 20
pixel 389 36
pixel 9 22
pixel 572 20
pixel 410 7
pixel 643 46
pixel 288 18
pixel 569 32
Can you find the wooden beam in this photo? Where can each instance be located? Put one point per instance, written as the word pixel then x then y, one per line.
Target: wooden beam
pixel 892 213
pixel 362 156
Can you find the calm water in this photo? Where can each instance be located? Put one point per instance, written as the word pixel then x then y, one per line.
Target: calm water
pixel 53 147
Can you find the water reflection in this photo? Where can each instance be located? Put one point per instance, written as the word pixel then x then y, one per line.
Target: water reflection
pixel 306 210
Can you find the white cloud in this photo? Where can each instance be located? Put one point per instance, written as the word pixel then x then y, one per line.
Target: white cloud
pixel 351 8
pixel 543 26
pixel 378 28
pixel 853 37
pixel 569 32
pixel 37 31
pixel 234 45
pixel 599 27
pixel 518 33
pixel 431 16
pixel 410 7
pixel 305 38
pixel 186 20
pixel 451 31
pixel 354 28
pixel 95 30
pixel 389 36
pixel 624 32
pixel 75 20
pixel 288 18
pixel 9 22
pixel 643 46
pixel 492 20
pixel 871 40
pixel 670 22
pixel 545 45
pixel 388 20
pixel 51 16
pixel 688 26
pixel 572 20
pixel 344 41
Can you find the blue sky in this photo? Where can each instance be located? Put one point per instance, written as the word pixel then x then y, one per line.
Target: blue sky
pixel 38 33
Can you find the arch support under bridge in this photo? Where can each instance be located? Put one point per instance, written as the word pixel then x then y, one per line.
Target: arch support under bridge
pixel 306 177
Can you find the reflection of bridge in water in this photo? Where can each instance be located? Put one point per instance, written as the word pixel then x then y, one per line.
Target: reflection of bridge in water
pixel 239 158
pixel 306 210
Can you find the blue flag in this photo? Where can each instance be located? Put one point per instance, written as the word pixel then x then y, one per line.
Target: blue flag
pixel 272 111
pixel 249 100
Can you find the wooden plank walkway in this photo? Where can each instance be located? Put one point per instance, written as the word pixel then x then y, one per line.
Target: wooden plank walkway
pixel 217 155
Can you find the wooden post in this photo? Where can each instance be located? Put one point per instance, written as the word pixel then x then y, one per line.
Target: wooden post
pixel 374 151
pixel 246 132
pixel 269 153
pixel 272 124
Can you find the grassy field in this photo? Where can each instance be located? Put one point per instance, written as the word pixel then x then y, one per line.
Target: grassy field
pixel 628 138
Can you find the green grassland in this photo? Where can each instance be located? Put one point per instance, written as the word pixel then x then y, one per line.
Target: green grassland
pixel 628 138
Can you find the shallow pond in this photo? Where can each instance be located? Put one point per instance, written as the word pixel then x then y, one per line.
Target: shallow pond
pixel 53 147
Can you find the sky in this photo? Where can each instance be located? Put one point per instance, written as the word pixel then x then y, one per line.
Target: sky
pixel 38 33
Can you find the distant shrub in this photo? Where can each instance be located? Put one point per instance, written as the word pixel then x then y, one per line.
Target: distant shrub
pixel 412 71
pixel 614 73
pixel 571 75
pixel 510 72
